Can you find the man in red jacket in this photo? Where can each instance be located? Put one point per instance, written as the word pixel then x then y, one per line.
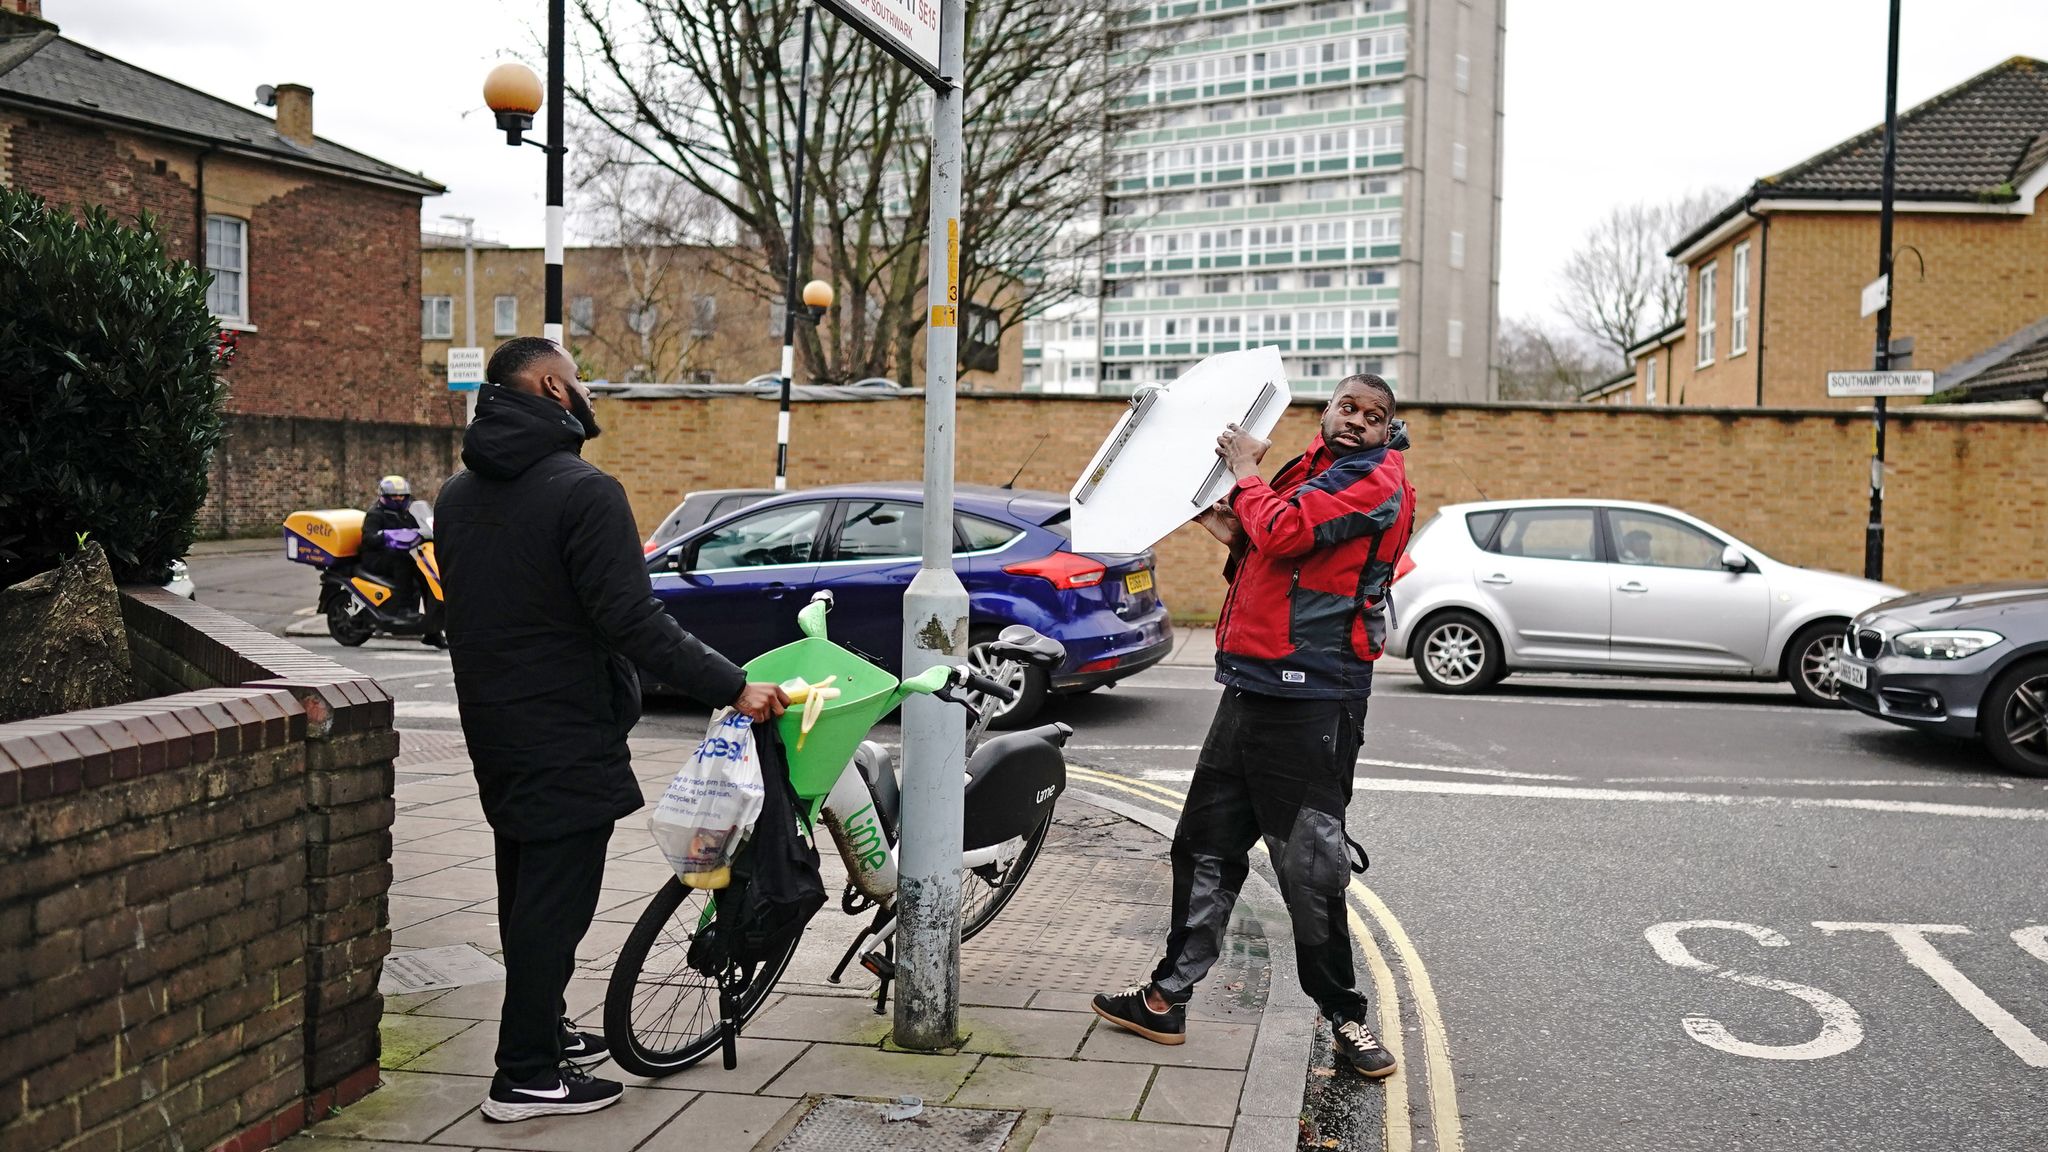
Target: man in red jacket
pixel 1311 558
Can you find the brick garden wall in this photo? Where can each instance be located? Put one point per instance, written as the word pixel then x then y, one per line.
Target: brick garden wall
pixel 192 915
pixel 1964 498
pixel 271 466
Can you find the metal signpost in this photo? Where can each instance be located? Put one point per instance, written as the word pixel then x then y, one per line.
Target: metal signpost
pixel 1880 294
pixel 928 36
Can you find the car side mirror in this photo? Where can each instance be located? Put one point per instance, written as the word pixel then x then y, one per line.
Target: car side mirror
pixel 678 561
pixel 1734 559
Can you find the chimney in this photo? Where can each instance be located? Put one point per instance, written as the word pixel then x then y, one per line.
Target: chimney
pixel 294 110
pixel 33 9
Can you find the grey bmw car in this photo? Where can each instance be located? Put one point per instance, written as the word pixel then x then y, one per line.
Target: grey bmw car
pixel 1970 661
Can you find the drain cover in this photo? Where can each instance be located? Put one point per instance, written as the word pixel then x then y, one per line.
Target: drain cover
pixel 840 1125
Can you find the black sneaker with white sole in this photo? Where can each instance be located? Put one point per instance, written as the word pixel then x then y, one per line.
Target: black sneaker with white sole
pixel 1128 1010
pixel 1358 1047
pixel 583 1049
pixel 566 1092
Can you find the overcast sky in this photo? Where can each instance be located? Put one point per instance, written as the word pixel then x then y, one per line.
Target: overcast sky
pixel 1608 101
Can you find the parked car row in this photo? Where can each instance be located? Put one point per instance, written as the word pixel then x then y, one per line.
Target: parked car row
pixel 1608 586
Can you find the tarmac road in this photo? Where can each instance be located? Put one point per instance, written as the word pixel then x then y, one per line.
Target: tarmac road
pixel 1613 913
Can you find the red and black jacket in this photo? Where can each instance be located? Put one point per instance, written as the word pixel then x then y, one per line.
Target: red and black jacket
pixel 1306 613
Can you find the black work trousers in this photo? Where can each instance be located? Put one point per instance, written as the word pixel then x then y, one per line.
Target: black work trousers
pixel 1278 769
pixel 547 893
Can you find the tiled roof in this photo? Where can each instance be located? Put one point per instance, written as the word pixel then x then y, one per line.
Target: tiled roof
pixel 2020 375
pixel 1975 143
pixel 50 71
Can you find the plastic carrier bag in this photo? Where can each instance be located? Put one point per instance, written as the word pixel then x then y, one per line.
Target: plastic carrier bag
pixel 712 803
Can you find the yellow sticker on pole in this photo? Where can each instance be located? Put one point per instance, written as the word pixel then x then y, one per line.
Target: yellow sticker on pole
pixel 944 316
pixel 953 260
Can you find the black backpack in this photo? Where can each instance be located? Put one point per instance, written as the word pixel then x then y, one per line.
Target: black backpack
pixel 776 887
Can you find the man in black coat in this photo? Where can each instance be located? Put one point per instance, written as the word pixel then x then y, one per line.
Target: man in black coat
pixel 549 610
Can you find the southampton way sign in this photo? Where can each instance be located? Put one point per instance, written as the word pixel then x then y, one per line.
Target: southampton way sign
pixel 906 29
pixel 1880 383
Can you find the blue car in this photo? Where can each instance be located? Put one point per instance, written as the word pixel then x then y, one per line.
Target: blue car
pixel 736 583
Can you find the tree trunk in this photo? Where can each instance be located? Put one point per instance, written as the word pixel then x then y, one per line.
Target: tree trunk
pixel 62 643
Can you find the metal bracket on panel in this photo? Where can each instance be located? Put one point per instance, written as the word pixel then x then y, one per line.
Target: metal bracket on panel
pixel 1207 494
pixel 1141 403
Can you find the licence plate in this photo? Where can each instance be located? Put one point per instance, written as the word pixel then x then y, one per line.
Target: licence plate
pixel 1854 675
pixel 1140 581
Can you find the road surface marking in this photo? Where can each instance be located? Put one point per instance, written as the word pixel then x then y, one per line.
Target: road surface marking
pixel 2034 939
pixel 1400 1131
pixel 1641 705
pixel 1806 783
pixel 1183 775
pixel 1841 1029
pixel 1912 940
pixel 1443 1092
pixel 1554 792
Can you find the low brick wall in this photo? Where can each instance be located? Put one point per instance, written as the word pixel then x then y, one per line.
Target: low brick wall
pixel 1964 499
pixel 192 914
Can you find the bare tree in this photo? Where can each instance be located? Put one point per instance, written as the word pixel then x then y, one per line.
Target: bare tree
pixel 652 223
pixel 1620 286
pixel 706 91
pixel 1541 362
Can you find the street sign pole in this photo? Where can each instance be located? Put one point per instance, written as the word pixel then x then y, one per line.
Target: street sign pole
pixel 1873 539
pixel 935 619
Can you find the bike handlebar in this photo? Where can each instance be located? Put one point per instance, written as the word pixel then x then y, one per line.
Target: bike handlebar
pixel 987 687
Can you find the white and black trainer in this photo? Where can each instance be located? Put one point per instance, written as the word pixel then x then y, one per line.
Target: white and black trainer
pixel 1357 1046
pixel 566 1092
pixel 583 1049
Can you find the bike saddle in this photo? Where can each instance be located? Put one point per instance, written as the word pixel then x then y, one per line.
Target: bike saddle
pixel 1027 645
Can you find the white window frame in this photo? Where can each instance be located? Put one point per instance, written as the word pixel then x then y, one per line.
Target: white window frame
pixel 1738 302
pixel 239 317
pixel 437 318
pixel 1456 339
pixel 1457 249
pixel 1461 72
pixel 1703 299
pixel 582 315
pixel 499 327
pixel 1650 381
pixel 1460 162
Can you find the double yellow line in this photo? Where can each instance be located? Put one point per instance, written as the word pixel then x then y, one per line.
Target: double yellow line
pixel 1442 1088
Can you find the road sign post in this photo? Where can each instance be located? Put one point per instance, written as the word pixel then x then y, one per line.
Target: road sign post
pixel 1873 537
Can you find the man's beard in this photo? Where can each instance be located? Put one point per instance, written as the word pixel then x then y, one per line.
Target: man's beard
pixel 579 407
pixel 1341 449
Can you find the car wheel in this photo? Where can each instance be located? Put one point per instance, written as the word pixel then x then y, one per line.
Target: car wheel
pixel 1810 664
pixel 1029 681
pixel 1458 652
pixel 2013 720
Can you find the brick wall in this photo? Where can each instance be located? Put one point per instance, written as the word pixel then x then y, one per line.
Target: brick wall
pixel 192 916
pixel 1964 501
pixel 269 467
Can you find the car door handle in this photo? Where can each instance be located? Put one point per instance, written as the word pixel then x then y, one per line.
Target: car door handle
pixel 1497 578
pixel 1634 586
pixel 776 590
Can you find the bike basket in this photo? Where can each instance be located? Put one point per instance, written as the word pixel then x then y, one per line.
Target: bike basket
pixel 865 693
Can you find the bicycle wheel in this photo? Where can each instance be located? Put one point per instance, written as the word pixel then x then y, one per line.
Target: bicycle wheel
pixel 984 891
pixel 660 1014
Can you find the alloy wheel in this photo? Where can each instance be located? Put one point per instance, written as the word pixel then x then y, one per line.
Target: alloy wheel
pixel 982 661
pixel 1817 665
pixel 1455 653
pixel 2026 718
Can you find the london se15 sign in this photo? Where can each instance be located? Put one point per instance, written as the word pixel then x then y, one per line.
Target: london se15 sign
pixel 906 29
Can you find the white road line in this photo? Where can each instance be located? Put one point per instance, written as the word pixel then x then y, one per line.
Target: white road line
pixel 1841 1029
pixel 1912 940
pixel 425 710
pixel 1553 792
pixel 1809 783
pixel 1635 705
pixel 1183 775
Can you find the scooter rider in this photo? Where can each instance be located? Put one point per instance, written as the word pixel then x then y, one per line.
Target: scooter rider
pixel 1311 558
pixel 393 511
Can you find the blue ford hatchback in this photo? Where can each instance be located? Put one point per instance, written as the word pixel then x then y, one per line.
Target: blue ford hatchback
pixel 736 583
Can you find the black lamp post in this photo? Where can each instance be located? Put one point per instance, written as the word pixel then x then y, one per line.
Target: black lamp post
pixel 514 94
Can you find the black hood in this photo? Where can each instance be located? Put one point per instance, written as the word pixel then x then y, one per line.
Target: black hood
pixel 513 431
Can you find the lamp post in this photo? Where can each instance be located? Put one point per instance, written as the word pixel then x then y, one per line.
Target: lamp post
pixel 796 238
pixel 817 300
pixel 1873 536
pixel 468 301
pixel 514 94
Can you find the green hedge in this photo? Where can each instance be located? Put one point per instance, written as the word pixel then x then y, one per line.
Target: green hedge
pixel 112 405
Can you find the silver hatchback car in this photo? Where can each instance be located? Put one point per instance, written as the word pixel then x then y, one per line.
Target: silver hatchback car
pixel 1610 586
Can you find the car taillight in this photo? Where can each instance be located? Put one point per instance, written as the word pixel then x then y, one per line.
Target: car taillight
pixel 1403 567
pixel 1063 570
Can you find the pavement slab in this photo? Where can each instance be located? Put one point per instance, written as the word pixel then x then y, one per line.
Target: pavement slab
pixel 1208 1045
pixel 637 1115
pixel 719 1120
pixel 1084 1134
pixel 844 1070
pixel 1023 1032
pixel 1206 1096
pixel 832 1019
pixel 1073 1087
pixel 408 1106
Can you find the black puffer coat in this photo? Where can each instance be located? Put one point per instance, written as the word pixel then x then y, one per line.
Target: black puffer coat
pixel 549 609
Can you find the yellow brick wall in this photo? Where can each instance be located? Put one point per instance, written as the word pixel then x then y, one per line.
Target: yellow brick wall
pixel 1965 499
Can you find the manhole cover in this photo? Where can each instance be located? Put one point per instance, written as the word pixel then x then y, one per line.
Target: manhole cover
pixel 838 1125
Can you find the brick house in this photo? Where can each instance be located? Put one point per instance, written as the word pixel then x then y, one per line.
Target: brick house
pixel 1774 280
pixel 652 314
pixel 314 250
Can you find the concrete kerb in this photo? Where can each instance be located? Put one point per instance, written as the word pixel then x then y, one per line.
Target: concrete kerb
pixel 1269 1107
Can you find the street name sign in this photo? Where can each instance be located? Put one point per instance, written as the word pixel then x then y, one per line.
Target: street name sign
pixel 1880 383
pixel 465 369
pixel 905 29
pixel 1877 294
